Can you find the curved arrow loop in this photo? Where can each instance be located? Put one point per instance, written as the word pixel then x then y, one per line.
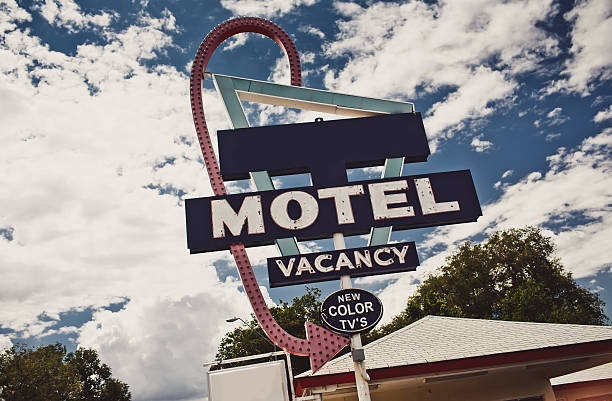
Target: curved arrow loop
pixel 321 345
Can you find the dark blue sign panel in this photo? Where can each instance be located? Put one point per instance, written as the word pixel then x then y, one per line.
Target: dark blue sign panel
pixel 330 265
pixel 324 149
pixel 213 223
pixel 351 311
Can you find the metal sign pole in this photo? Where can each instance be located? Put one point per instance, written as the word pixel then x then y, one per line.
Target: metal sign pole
pixel 361 376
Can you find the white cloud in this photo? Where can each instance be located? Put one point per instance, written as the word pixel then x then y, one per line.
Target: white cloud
pixel 469 102
pixel 481 145
pixel 601 100
pixel 12 14
pixel 348 9
pixel 603 115
pixel 472 48
pixel 167 21
pixel 576 185
pixel 264 8
pixel 591 46
pixel 313 31
pixel 5 343
pixel 556 112
pixel 68 14
pixel 87 155
pixel 87 228
pixel 158 345
pixel 507 173
pixel 236 41
pixel 86 152
pixel 307 58
pixel 556 117
pixel 571 201
pixel 280 72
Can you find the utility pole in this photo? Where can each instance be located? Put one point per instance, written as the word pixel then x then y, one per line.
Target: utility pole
pixel 361 376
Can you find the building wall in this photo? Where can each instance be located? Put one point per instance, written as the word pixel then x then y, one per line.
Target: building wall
pixel 600 390
pixel 494 386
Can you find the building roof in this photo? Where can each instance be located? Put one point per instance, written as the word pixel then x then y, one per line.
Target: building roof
pixel 436 339
pixel 601 372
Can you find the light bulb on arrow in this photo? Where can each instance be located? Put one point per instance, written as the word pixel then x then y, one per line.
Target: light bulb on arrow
pixel 320 344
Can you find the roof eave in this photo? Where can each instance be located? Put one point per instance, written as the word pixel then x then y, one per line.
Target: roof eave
pixel 474 363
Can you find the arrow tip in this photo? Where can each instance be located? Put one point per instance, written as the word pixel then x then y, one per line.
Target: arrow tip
pixel 324 345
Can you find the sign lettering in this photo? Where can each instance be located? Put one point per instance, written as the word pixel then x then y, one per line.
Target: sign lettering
pixel 330 265
pixel 213 223
pixel 351 311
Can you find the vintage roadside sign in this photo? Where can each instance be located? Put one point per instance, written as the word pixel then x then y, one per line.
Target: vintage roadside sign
pixel 385 133
pixel 351 311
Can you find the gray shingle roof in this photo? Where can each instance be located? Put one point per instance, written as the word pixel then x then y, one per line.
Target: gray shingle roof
pixel 436 338
pixel 596 373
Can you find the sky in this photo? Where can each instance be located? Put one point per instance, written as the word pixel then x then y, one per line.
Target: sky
pixel 98 153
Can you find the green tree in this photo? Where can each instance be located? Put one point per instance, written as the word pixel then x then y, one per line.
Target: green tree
pixel 95 377
pixel 48 373
pixel 32 375
pixel 251 340
pixel 513 275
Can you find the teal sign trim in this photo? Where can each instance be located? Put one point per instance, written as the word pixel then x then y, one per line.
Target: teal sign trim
pixel 232 90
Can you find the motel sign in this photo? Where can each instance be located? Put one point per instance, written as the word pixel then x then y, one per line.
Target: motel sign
pixel 213 223
pixel 379 133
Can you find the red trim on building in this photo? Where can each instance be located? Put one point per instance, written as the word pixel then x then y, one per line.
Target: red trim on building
pixel 590 383
pixel 303 383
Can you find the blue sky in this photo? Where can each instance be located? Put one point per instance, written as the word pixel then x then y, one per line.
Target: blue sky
pixel 98 150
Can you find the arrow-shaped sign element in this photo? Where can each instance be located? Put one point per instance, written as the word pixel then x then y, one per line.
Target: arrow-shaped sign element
pixel 321 345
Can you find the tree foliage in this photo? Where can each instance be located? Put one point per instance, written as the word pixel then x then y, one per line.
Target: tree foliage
pixel 251 340
pixel 513 275
pixel 48 373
